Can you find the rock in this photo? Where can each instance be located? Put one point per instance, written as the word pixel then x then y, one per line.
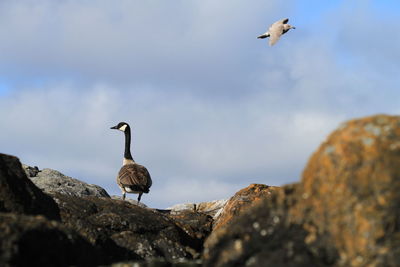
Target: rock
pixel 351 190
pixel 344 212
pixel 18 194
pixel 196 224
pixel 211 208
pixel 196 218
pixel 182 207
pixel 132 201
pixel 36 241
pixel 52 181
pixel 30 171
pixel 142 231
pixel 262 236
pixel 159 263
pixel 241 201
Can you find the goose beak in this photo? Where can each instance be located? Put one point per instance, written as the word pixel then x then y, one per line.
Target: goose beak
pixel 293 27
pixel 114 127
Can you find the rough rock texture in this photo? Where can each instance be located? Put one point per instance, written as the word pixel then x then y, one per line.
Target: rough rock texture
pixel 94 230
pixel 36 241
pixel 51 181
pixel 18 194
pixel 351 190
pixel 120 224
pixel 159 263
pixel 241 201
pixel 196 224
pixel 211 208
pixel 343 213
pixel 263 236
pixel 130 200
pixel 30 171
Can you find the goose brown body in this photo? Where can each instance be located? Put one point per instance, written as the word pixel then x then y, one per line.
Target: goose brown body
pixel 134 178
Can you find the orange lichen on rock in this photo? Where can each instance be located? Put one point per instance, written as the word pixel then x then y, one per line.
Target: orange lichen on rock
pixel 344 212
pixel 241 201
pixel 352 183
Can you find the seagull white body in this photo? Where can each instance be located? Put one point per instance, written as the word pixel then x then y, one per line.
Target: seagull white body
pixel 276 30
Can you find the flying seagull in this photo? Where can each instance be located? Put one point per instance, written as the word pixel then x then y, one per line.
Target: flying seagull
pixel 276 30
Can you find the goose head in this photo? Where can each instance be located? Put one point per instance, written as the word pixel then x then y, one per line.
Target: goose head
pixel 122 126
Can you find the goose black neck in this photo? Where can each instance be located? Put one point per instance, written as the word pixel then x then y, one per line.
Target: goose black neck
pixel 127 153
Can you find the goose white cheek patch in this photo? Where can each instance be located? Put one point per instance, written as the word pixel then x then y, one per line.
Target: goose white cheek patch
pixel 122 128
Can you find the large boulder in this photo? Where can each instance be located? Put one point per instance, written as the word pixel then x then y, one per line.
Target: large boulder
pixel 344 212
pixel 351 190
pixel 52 181
pixel 18 194
pixel 142 231
pixel 262 235
pixel 36 241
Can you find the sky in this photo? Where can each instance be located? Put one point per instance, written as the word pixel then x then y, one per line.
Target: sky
pixel 212 108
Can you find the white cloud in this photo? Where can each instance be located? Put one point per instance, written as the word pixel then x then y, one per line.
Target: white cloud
pixel 184 141
pixel 131 41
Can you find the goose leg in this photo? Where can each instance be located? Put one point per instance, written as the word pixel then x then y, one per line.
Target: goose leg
pixel 139 197
pixel 123 195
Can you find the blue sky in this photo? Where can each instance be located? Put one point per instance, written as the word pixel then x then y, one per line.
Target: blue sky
pixel 213 109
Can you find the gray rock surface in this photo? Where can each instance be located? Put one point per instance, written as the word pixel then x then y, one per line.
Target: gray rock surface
pixel 52 181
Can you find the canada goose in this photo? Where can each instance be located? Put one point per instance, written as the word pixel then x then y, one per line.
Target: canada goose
pixel 276 30
pixel 132 177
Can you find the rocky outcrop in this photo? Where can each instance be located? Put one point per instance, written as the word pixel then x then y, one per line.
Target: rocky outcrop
pixel 19 195
pixel 242 201
pixel 94 230
pixel 351 190
pixel 52 181
pixel 344 212
pixel 36 241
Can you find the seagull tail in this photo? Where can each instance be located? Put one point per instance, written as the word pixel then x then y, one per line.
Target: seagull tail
pixel 262 36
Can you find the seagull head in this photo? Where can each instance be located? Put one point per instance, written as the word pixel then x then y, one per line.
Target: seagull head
pixel 288 27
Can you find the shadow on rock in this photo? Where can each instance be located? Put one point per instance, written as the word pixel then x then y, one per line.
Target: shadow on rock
pixel 19 195
pixel 36 241
pixel 142 231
